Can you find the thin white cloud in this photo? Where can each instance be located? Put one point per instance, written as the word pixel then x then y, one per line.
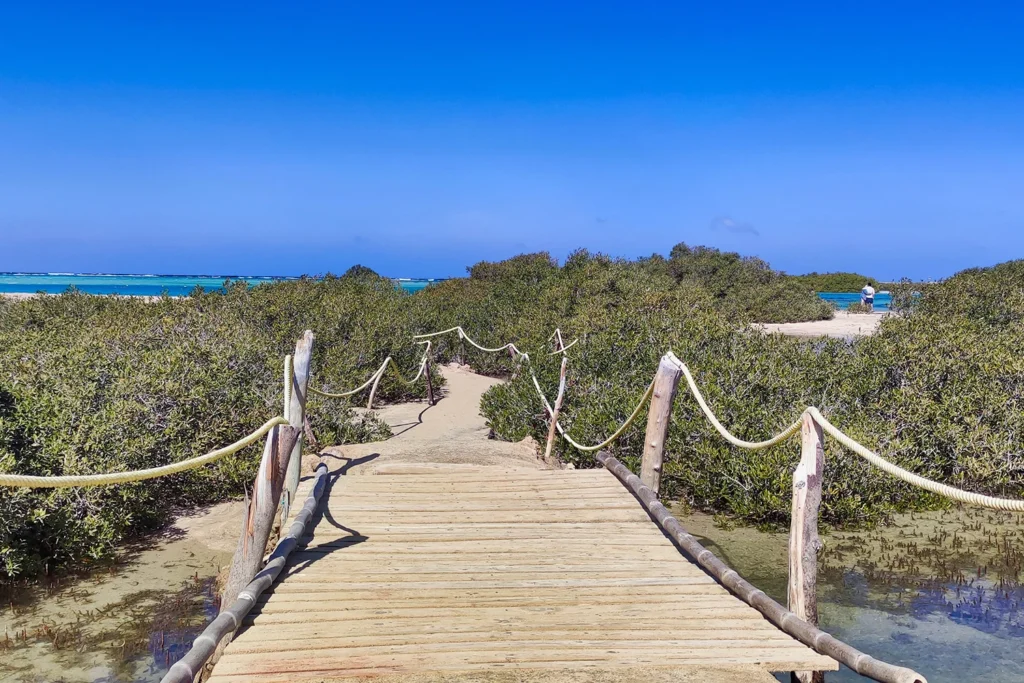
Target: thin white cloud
pixel 727 224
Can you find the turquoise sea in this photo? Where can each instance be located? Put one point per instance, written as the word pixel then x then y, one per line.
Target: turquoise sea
pixel 146 285
pixel 181 285
pixel 842 300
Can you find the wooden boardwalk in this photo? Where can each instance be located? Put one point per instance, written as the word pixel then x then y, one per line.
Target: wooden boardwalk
pixel 469 571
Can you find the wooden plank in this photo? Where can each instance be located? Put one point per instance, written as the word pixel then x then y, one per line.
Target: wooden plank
pixel 742 633
pixel 341 601
pixel 446 532
pixel 500 516
pixel 480 570
pixel 505 615
pixel 415 627
pixel 394 507
pixel 486 551
pixel 441 596
pixel 464 471
pixel 483 477
pixel 355 660
pixel 607 672
pixel 509 577
pixel 354 584
pixel 511 484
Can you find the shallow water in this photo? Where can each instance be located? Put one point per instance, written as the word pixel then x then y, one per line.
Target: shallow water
pixel 128 621
pixel 842 300
pixel 937 592
pixel 144 285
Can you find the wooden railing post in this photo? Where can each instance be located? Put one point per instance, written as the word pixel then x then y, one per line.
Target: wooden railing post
pixel 430 382
pixel 804 543
pixel 558 407
pixel 262 510
pixel 666 381
pixel 297 418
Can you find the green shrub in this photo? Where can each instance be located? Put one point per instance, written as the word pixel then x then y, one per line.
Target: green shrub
pixel 858 307
pixel 100 384
pixel 937 390
pixel 835 282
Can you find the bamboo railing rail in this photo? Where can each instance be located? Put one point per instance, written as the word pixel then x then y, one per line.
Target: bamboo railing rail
pixel 787 621
pixel 227 622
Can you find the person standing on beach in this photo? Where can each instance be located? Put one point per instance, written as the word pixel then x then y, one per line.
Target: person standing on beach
pixel 867 297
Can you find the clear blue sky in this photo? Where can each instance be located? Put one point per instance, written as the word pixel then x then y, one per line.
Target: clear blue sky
pixel 418 138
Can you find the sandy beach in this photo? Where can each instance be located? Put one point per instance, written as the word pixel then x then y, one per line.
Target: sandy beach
pixel 20 296
pixel 844 325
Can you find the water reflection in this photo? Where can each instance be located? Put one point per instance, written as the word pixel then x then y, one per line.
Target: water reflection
pixel 938 592
pixel 128 621
pixel 136 638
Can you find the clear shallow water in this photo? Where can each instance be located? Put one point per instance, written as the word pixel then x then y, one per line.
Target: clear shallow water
pixel 144 285
pixel 842 300
pixel 124 622
pixel 937 592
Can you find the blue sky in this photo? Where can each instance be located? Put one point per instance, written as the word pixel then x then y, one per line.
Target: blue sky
pixel 886 138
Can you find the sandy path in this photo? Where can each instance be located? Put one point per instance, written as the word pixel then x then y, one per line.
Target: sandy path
pixel 452 431
pixel 842 325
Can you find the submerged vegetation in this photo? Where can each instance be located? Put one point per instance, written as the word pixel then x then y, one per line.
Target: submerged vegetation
pixel 98 384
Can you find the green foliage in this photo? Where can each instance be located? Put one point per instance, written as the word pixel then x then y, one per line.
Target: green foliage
pixel 938 390
pixel 746 287
pixel 992 296
pixel 526 297
pixel 858 307
pixel 835 282
pixel 101 384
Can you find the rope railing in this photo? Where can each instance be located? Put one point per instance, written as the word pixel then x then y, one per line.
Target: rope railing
pixel 67 481
pixel 945 490
pixel 870 456
pixel 379 373
pixel 376 373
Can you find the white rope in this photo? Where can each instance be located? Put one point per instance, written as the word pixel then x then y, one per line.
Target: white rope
pixel 289 371
pixel 875 459
pixel 68 481
pixel 734 440
pixel 505 347
pixel 378 371
pixel 881 463
pixel 564 348
pixel 618 432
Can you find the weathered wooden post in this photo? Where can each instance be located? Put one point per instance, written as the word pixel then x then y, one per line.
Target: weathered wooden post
pixel 259 518
pixel 297 418
pixel 555 411
pixel 430 382
pixel 666 381
pixel 804 543
pixel 307 432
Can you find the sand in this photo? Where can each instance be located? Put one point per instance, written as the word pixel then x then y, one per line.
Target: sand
pixel 99 615
pixel 452 431
pixel 844 325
